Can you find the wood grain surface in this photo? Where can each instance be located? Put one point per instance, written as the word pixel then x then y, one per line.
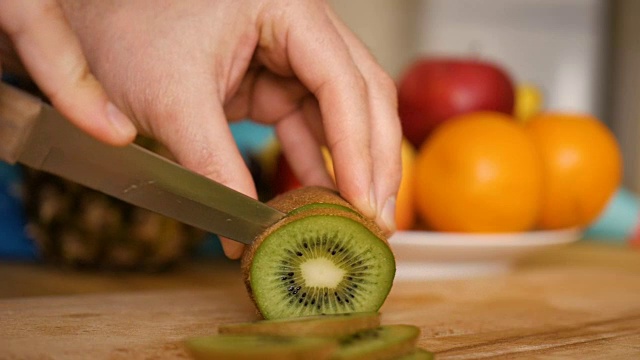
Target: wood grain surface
pixel 582 301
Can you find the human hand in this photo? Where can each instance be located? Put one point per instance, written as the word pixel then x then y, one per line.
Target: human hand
pixel 51 53
pixel 182 69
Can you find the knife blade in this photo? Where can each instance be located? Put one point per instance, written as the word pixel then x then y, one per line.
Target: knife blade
pixel 36 135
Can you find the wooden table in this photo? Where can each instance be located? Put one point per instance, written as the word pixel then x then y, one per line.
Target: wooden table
pixel 582 301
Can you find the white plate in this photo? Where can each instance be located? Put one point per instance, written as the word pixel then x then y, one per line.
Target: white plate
pixel 438 255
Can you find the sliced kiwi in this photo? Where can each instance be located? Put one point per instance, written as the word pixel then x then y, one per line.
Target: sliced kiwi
pixel 386 342
pixel 222 347
pixel 417 354
pixel 319 325
pixel 313 197
pixel 320 261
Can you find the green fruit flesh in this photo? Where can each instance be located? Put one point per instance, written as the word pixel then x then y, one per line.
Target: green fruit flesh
pixel 320 325
pixel 417 354
pixel 384 342
pixel 223 347
pixel 321 264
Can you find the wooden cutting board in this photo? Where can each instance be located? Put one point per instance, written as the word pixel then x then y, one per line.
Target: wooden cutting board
pixel 583 302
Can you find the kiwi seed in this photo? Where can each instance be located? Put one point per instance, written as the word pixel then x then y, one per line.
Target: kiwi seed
pixel 323 260
pixel 386 342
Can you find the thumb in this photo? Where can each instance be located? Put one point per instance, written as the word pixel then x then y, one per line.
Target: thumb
pixel 53 57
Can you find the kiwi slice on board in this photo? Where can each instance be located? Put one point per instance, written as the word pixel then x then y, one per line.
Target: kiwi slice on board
pixel 417 354
pixel 319 261
pixel 222 347
pixel 319 325
pixel 386 342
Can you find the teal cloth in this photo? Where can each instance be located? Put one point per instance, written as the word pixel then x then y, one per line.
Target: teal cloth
pixel 618 221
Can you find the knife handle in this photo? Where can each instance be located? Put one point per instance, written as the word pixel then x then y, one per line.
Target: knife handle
pixel 18 114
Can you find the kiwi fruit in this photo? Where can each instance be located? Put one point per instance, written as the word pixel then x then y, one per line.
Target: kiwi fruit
pixel 320 259
pixel 222 347
pixel 386 342
pixel 417 354
pixel 335 337
pixel 310 195
pixel 319 325
pixel 323 206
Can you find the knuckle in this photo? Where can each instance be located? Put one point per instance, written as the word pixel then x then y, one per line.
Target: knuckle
pixel 22 17
pixel 386 85
pixel 206 162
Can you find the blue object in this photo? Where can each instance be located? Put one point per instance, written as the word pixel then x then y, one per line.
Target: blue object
pixel 14 243
pixel 619 219
pixel 210 247
pixel 251 137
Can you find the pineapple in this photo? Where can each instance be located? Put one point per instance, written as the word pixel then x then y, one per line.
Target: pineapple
pixel 77 226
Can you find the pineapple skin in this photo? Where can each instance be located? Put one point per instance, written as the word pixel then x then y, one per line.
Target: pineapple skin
pixel 80 227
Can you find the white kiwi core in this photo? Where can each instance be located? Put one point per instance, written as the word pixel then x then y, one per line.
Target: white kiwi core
pixel 321 272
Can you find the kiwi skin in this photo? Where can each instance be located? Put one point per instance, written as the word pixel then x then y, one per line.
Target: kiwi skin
pixel 293 200
pixel 313 195
pixel 317 326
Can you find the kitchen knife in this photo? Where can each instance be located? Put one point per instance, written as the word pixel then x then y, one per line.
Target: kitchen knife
pixel 36 135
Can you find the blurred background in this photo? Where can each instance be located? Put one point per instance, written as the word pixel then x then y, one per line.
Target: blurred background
pixel 583 54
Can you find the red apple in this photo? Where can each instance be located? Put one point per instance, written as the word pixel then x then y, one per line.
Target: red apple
pixel 434 90
pixel 284 178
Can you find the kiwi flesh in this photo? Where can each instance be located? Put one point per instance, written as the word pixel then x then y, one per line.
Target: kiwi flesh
pixel 319 325
pixel 323 260
pixel 222 347
pixel 417 354
pixel 386 342
pixel 334 337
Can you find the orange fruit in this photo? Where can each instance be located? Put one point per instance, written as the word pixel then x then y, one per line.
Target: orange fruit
pixel 582 168
pixel 405 209
pixel 479 172
pixel 328 162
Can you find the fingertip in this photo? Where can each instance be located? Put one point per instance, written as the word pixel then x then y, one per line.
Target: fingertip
pixel 199 138
pixel 387 216
pixel 233 250
pixel 364 203
pixel 123 129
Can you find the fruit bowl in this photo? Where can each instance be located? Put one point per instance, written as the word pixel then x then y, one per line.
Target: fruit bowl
pixel 439 255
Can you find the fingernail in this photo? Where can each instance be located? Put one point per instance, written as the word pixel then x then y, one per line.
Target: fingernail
pixel 120 121
pixel 372 201
pixel 388 214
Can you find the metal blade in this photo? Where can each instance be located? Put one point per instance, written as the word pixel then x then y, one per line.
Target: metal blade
pixel 140 177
